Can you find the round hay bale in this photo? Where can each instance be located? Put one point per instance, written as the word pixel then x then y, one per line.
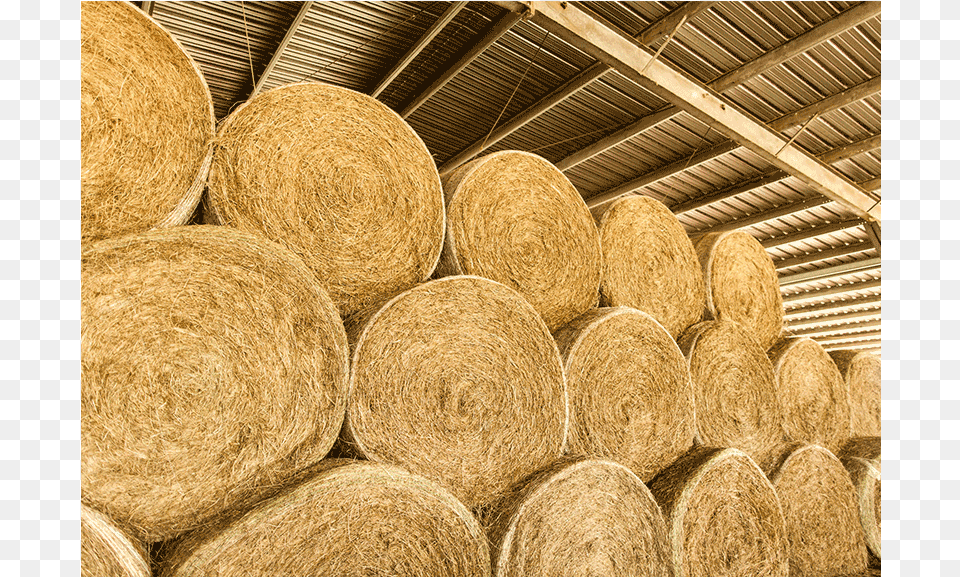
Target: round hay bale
pixel 733 389
pixel 631 399
pixel 861 372
pixel 460 381
pixel 214 366
pixel 813 396
pixel 514 218
pixel 339 179
pixel 820 509
pixel 105 551
pixel 580 517
pixel 350 518
pixel 146 124
pixel 861 457
pixel 722 514
pixel 649 263
pixel 741 283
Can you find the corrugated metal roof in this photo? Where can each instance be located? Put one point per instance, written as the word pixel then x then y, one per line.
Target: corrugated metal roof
pixel 355 44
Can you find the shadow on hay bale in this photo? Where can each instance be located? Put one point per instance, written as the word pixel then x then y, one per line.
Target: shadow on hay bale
pixel 105 551
pixel 147 124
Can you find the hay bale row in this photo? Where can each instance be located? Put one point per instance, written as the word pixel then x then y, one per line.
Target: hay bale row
pixel 146 123
pixel 631 399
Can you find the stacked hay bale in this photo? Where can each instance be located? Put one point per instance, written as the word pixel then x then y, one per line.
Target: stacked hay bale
pixel 631 399
pixel 734 389
pixel 820 508
pixel 514 218
pixel 146 122
pixel 105 551
pixel 861 372
pixel 214 367
pixel 723 516
pixel 579 517
pixel 861 457
pixel 650 264
pixel 742 284
pixel 813 396
pixel 460 381
pixel 339 179
pixel 348 518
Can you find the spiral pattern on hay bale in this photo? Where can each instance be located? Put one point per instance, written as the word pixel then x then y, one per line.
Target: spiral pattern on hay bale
pixel 649 263
pixel 458 380
pixel 861 372
pixel 580 517
pixel 514 218
pixel 733 388
pixel 813 396
pixel 742 284
pixel 820 509
pixel 631 398
pixel 214 366
pixel 348 518
pixel 339 179
pixel 146 122
pixel 722 514
pixel 105 551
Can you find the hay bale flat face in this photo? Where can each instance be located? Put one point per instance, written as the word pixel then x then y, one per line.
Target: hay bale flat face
pixel 631 399
pixel 861 457
pixel 338 178
pixel 146 121
pixel 861 372
pixel 723 517
pixel 742 284
pixel 352 518
pixel 581 518
pixel 649 263
pixel 514 218
pixel 733 387
pixel 105 551
pixel 460 381
pixel 813 396
pixel 214 366
pixel 820 508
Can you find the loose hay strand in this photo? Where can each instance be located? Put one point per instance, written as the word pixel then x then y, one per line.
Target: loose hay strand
pixel 650 264
pixel 147 124
pixel 214 366
pixel 820 509
pixel 515 218
pixel 105 551
pixel 631 397
pixel 338 178
pixel 861 373
pixel 741 284
pixel 459 380
pixel 579 517
pixel 734 390
pixel 349 518
pixel 723 516
pixel 814 399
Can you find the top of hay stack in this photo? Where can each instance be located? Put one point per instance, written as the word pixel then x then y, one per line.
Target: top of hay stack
pixel 214 366
pixel 515 218
pixel 346 518
pixel 742 284
pixel 338 178
pixel 146 120
pixel 649 263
